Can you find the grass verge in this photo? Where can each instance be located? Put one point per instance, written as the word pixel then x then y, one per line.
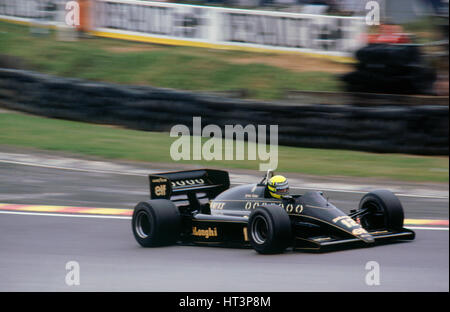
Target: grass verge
pixel 117 143
pixel 187 68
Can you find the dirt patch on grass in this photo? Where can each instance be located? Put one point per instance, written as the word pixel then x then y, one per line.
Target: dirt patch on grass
pixel 297 63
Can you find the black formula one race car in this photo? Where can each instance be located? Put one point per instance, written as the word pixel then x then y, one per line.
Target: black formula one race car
pixel 199 207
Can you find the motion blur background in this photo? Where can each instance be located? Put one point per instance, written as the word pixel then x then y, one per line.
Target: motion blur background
pixel 368 76
pixel 87 102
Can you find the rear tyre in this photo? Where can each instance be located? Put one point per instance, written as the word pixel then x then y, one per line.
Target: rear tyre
pixel 381 210
pixel 156 223
pixel 269 229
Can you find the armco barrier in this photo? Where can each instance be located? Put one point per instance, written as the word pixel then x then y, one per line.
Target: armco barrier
pixel 418 129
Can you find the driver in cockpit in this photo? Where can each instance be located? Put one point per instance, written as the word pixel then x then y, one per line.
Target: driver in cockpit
pixel 278 186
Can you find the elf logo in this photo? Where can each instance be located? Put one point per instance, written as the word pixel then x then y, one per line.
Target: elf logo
pixel 160 190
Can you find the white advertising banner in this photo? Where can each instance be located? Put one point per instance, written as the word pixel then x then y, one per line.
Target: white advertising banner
pixel 215 27
pixel 28 9
pixel 222 27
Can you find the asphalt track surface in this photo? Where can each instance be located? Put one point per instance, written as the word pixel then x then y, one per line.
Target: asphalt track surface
pixel 34 248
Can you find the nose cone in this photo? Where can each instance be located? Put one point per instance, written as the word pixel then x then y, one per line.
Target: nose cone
pixel 366 237
pixel 362 234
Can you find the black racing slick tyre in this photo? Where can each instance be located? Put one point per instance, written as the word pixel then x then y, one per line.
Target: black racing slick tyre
pixel 156 223
pixel 381 210
pixel 269 229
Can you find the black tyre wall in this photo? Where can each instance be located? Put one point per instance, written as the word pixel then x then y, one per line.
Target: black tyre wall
pixel 165 222
pixel 389 203
pixel 279 232
pixel 386 127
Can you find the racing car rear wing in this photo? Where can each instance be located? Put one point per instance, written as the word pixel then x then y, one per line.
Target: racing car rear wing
pixel 171 184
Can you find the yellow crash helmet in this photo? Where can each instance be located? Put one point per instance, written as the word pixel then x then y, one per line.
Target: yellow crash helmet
pixel 278 186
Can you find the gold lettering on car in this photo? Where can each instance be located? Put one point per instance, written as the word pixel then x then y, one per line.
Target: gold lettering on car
pixel 187 182
pixel 160 190
pixel 206 233
pixel 346 221
pixel 245 232
pixel 217 205
pixel 159 180
pixel 359 231
pixel 289 207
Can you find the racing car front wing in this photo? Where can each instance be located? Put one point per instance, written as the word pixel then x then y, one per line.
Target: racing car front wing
pixel 328 243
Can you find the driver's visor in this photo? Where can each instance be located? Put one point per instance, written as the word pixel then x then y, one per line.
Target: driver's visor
pixel 282 188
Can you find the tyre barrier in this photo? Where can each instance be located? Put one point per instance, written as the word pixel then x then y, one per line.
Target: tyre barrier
pixel 395 69
pixel 418 129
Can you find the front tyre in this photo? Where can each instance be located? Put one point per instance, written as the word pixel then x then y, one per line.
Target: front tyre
pixel 156 223
pixel 381 210
pixel 269 229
